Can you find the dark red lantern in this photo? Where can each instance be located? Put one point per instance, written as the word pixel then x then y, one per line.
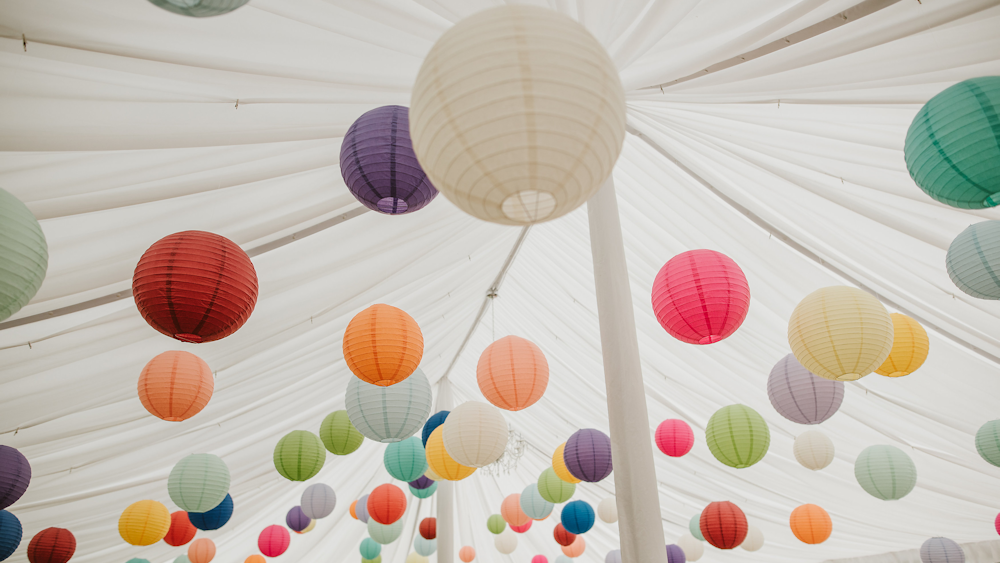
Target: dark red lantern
pixel 428 528
pixel 52 545
pixel 195 286
pixel 563 537
pixel 181 529
pixel 723 525
pixel 386 504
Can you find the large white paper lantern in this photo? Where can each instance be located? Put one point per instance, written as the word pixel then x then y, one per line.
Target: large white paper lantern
pixel 813 450
pixel 517 115
pixel 475 434
pixel 693 549
pixel 389 414
pixel 505 542
pixel 973 260
pixel 754 540
pixel 607 510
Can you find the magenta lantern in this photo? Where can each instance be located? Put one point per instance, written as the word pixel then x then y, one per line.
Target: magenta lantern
pixel 674 437
pixel 274 540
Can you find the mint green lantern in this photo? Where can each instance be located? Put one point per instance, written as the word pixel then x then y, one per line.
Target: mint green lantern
pixel 988 442
pixel 695 527
pixel 199 482
pixel 339 436
pixel 885 472
pixel 370 549
pixel 405 460
pixel 496 524
pixel 299 455
pixel 385 534
pixel 554 489
pixel 737 436
pixel 424 493
pixel 952 148
pixel 199 8
pixel 24 255
pixel 973 260
pixel 182 559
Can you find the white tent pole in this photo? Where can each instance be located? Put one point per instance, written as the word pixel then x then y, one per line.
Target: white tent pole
pixel 445 493
pixel 640 527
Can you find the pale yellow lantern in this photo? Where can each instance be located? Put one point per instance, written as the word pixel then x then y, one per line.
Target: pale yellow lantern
pixel 910 346
pixel 431 475
pixel 840 333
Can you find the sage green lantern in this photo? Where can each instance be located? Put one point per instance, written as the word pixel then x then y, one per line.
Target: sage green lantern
pixel 405 460
pixel 299 455
pixel 24 255
pixel 199 482
pixel 199 8
pixel 424 493
pixel 338 434
pixel 695 527
pixel 952 148
pixel 988 442
pixel 385 534
pixel 496 524
pixel 885 472
pixel 554 489
pixel 737 436
pixel 973 260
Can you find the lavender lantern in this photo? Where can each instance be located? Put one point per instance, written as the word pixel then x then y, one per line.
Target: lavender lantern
pixel 675 554
pixel 15 474
pixel 379 166
pixel 801 396
pixel 588 455
pixel 297 520
pixel 361 509
pixel 421 483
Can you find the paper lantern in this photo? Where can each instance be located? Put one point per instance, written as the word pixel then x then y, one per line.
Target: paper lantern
pixel 442 463
pixel 175 386
pixel 511 511
pixel 181 530
pixel 199 482
pixel 10 534
pixel 532 503
pixel 15 475
pixel 339 436
pixel 362 509
pixel 559 465
pixel 910 346
pixel 405 460
pixel 383 346
pixel 424 547
pixel 547 152
pixel 988 442
pixel 588 455
pixel 428 528
pixel 467 554
pixel 385 533
pixel 199 8
pixel 475 434
pixel 299 455
pixel 693 548
pixel 379 166
pixel 554 489
pixel 195 286
pixel 182 559
pixel 973 260
pixel 296 520
pixel 607 510
pixel 273 540
pixel 754 540
pixel 737 436
pixel 613 556
pixel 389 414
pixel 318 501
pixel 496 524
pixel 24 255
pixel 564 559
pixel 144 523
pixel 505 542
pixel 415 557
pixel 354 514
pixel 379 560
pixel 996 523
pixel 674 437
pixel 522 528
pixel 562 536
pixel 811 524
pixel 421 482
pixel 840 333
pixel 952 148
pixel 675 554
pixel 137 560
pixel 430 472
pixel 309 528
pixel 255 558
pixel 723 525
pixel 577 517
pixel 512 373
pixel 885 472
pixel 215 518
pixel 700 296
pixel 539 559
pixel 813 450
pixel 801 396
pixel 435 420
pixel 576 548
pixel 941 550
pixel 694 526
pixel 370 549
pixel 201 551
pixel 386 504
pixel 424 493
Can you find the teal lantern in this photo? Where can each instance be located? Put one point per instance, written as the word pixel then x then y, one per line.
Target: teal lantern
pixel 338 434
pixel 737 436
pixel 24 255
pixel 199 482
pixel 885 472
pixel 973 260
pixel 405 460
pixel 299 455
pixel 199 8
pixel 952 149
pixel 370 549
pixel 532 503
pixel 988 442
pixel 385 534
pixel 694 526
pixel 424 493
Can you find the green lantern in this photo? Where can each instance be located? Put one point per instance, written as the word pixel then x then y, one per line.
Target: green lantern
pixel 182 559
pixel 376 560
pixel 885 472
pixel 338 434
pixel 199 8
pixel 988 442
pixel 405 460
pixel 370 549
pixel 424 493
pixel 496 524
pixel 299 455
pixel 554 489
pixel 973 260
pixel 737 436
pixel 137 560
pixel 695 527
pixel 199 482
pixel 24 255
pixel 952 148
pixel 385 533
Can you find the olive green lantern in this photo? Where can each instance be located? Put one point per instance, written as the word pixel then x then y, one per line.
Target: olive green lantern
pixel 339 435
pixel 988 442
pixel 885 472
pixel 973 260
pixel 496 524
pixel 299 455
pixel 24 255
pixel 737 436
pixel 199 8
pixel 554 489
pixel 952 148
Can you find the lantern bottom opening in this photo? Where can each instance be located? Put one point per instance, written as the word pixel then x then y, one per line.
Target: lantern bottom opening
pixel 992 200
pixel 896 374
pixel 710 339
pixel 528 206
pixel 392 205
pixel 185 337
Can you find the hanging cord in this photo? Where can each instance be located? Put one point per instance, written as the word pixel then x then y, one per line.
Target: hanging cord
pixel 493 313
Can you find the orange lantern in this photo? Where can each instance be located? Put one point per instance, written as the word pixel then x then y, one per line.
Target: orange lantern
pixel 175 385
pixel 353 513
pixel 201 551
pixel 574 549
pixel 811 524
pixel 255 558
pixel 467 554
pixel 512 373
pixel 383 345
pixel 559 465
pixel 511 511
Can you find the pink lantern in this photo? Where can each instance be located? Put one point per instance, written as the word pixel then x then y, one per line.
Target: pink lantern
pixel 996 523
pixel 523 528
pixel 273 541
pixel 674 437
pixel 701 296
pixel 539 559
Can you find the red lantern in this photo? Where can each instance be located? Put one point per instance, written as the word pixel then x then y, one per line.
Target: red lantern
pixel 181 530
pixel 52 545
pixel 522 528
pixel 701 296
pixel 195 286
pixel 723 525
pixel 273 541
pixel 563 537
pixel 428 528
pixel 386 504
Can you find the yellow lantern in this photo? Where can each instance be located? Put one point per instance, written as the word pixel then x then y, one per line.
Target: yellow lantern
pixel 144 523
pixel 909 347
pixel 559 465
pixel 442 463
pixel 840 333
pixel 430 474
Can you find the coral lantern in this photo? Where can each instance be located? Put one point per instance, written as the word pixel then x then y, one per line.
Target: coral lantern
pixel 512 373
pixel 52 545
pixel 467 554
pixel 354 514
pixel 383 345
pixel 195 286
pixel 701 296
pixel 811 524
pixel 273 541
pixel 144 523
pixel 576 548
pixel 511 511
pixel 176 385
pixel 428 528
pixel 181 529
pixel 674 437
pixel 386 504
pixel 723 525
pixel 201 551
pixel 255 558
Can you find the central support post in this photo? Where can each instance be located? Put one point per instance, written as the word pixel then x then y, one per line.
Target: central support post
pixel 445 493
pixel 640 526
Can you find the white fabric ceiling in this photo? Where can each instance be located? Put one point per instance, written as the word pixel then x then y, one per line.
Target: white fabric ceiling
pixel 119 124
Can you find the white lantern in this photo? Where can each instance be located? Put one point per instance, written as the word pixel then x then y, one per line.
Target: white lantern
pixel 505 541
pixel 693 549
pixel 318 501
pixel 389 414
pixel 517 115
pixel 754 539
pixel 475 434
pixel 607 510
pixel 424 546
pixel 385 533
pixel 415 557
pixel 814 450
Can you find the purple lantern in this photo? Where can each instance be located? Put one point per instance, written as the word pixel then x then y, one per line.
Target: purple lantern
pixel 297 520
pixel 361 509
pixel 379 165
pixel 675 554
pixel 15 474
pixel 800 395
pixel 421 482
pixel 588 455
